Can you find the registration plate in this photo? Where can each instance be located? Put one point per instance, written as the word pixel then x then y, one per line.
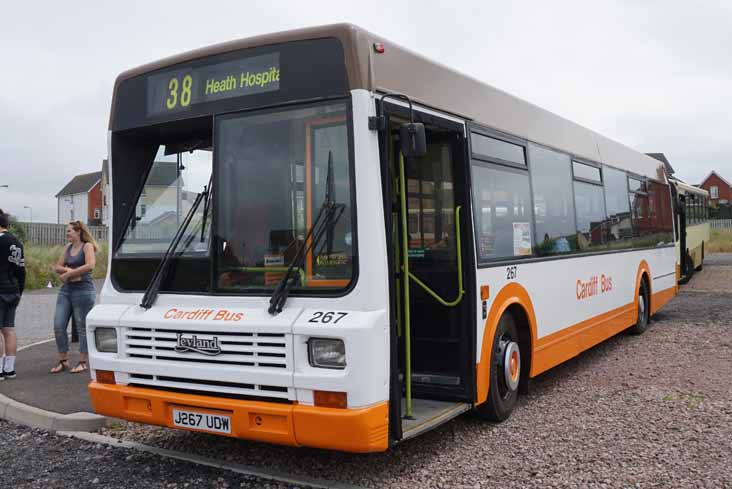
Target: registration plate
pixel 215 423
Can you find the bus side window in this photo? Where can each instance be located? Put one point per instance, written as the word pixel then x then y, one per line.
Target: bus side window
pixel 503 217
pixel 551 181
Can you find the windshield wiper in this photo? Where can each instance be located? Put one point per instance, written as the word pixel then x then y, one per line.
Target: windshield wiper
pixel 323 224
pixel 151 293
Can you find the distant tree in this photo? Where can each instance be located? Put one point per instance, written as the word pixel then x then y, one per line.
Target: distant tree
pixel 16 229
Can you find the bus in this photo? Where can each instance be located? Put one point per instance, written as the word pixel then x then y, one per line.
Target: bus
pixel 322 239
pixel 692 222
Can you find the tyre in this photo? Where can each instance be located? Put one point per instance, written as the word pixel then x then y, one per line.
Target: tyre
pixel 644 309
pixel 701 262
pixel 688 268
pixel 505 372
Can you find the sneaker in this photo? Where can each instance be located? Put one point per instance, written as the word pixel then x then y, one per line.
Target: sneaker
pixel 9 375
pixel 2 376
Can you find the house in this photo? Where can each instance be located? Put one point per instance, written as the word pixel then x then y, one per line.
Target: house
pixel 81 199
pixel 159 195
pixel 720 190
pixel 106 196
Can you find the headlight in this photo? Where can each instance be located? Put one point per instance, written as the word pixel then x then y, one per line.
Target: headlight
pixel 106 340
pixel 327 353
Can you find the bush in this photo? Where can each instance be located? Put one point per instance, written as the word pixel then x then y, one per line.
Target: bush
pixel 720 242
pixel 39 261
pixel 16 229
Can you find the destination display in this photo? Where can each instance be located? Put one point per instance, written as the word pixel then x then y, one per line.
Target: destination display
pixel 230 81
pixel 184 88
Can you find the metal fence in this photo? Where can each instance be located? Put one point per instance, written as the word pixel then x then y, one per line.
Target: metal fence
pixel 721 223
pixel 49 234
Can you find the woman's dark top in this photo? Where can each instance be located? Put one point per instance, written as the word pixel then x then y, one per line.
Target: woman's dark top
pixel 83 281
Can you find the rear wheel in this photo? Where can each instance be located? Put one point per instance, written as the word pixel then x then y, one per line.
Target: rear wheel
pixel 644 309
pixel 688 267
pixel 505 372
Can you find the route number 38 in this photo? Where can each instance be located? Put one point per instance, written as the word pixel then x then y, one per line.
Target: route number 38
pixel 185 93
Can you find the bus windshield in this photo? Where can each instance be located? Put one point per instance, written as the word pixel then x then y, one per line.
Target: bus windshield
pixel 272 178
pixel 172 184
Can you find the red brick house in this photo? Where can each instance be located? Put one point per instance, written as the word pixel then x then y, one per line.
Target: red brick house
pixel 81 199
pixel 720 190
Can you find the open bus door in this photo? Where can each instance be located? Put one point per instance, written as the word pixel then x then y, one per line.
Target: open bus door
pixel 428 224
pixel 686 264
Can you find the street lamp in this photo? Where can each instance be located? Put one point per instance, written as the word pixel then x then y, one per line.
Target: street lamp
pixel 30 209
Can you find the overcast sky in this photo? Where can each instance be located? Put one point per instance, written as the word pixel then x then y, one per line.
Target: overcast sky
pixel 653 74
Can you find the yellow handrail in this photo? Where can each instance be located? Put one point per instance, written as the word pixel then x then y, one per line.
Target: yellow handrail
pixel 407 275
pixel 461 292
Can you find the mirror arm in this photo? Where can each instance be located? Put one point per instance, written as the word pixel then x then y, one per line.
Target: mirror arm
pixel 378 123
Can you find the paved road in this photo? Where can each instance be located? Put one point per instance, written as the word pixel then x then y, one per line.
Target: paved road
pixel 34 319
pixel 718 259
pixel 63 393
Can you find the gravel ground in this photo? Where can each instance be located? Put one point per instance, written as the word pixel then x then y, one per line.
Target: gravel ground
pixel 37 459
pixel 647 411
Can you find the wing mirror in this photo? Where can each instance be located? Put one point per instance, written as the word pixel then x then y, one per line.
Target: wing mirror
pixel 413 140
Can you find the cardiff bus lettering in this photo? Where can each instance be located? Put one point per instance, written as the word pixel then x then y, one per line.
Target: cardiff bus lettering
pixel 589 288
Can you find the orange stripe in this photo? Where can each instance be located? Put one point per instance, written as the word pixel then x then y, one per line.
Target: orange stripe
pixel 558 347
pixel 308 196
pixel 662 298
pixel 509 295
pixel 335 282
pixel 353 430
pixel 308 206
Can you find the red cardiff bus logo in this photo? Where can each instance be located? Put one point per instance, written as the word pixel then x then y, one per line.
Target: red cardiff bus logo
pixel 590 288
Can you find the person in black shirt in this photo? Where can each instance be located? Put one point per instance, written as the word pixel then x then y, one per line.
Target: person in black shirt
pixel 12 283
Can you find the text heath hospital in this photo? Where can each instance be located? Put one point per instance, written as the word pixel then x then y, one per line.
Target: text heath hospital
pixel 246 80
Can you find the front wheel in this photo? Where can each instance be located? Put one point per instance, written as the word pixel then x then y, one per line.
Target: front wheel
pixel 505 372
pixel 644 310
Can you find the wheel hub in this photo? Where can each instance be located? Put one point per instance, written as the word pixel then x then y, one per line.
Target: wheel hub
pixel 512 365
pixel 641 308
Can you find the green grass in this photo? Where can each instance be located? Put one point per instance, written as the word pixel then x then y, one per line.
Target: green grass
pixel 720 242
pixel 39 261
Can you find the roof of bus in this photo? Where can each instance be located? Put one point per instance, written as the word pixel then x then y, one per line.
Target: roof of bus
pixel 399 70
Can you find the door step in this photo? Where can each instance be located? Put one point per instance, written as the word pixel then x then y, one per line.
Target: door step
pixel 435 379
pixel 429 414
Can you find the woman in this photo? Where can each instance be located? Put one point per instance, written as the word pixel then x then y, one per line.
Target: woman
pixel 77 295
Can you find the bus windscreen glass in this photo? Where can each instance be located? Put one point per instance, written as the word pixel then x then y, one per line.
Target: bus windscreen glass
pixel 275 171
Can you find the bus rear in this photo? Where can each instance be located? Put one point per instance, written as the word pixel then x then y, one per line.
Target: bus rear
pixel 237 300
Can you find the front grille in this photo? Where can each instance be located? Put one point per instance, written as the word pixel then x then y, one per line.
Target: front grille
pixel 250 350
pixel 246 349
pixel 209 386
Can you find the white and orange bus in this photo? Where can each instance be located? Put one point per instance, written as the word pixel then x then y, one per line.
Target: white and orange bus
pixel 322 239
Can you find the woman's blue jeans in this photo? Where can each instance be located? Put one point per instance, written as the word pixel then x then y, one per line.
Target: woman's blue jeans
pixel 77 301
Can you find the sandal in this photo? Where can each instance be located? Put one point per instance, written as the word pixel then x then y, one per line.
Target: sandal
pixel 80 367
pixel 60 366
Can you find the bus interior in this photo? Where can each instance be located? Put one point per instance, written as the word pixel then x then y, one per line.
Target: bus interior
pixel 434 367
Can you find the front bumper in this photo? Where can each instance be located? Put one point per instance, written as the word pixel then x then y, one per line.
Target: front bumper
pixel 351 430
